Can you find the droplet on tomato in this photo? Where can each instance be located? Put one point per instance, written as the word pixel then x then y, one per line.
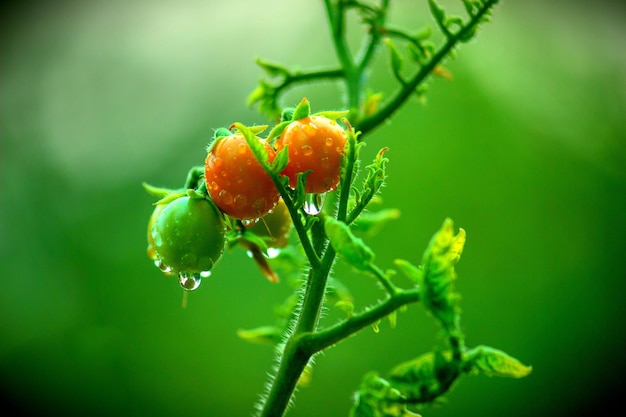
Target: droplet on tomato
pixel 307 150
pixel 240 201
pixel 189 282
pixel 249 222
pixel 329 141
pixel 225 197
pixel 162 265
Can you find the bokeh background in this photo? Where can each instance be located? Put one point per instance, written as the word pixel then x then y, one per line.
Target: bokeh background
pixel 524 148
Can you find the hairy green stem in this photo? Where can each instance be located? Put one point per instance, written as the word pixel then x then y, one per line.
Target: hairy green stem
pixel 323 339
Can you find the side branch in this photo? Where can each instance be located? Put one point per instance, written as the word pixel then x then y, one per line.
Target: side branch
pixel 316 342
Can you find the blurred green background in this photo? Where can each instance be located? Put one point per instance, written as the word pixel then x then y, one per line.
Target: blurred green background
pixel 524 148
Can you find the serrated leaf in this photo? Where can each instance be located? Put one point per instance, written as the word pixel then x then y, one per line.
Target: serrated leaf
pixel 350 247
pixel 442 253
pixel 494 362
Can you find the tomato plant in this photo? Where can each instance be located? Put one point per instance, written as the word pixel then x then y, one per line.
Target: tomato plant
pixel 248 179
pixel 236 181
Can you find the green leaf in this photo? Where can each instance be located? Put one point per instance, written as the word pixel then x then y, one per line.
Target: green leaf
pixel 353 250
pixel 426 377
pixel 272 69
pixel 493 362
pixel 442 253
pixel 299 192
pixel 439 14
pixel 333 115
pixel 377 398
pixel 277 130
pixel 412 272
pixel 302 110
pixel 395 59
pixel 158 191
pixel 257 148
pixel 280 160
pixel 264 335
pixel 370 222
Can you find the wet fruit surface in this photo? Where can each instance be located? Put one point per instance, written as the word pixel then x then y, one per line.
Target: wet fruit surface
pixel 237 183
pixel 188 236
pixel 315 143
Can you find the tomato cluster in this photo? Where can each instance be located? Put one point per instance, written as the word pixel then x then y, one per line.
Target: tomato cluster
pixel 187 232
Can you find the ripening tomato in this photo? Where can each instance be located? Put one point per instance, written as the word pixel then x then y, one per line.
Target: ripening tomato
pixel 188 235
pixel 274 226
pixel 235 180
pixel 316 143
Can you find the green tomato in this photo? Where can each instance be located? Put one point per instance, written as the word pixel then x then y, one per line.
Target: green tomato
pixel 188 236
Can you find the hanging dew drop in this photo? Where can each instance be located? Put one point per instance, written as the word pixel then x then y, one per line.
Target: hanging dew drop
pixel 162 266
pixel 314 203
pixel 189 282
pixel 273 253
pixel 205 274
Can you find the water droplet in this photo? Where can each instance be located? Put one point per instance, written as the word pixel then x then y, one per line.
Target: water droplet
pixel 314 203
pixel 205 274
pixel 241 148
pixel 156 237
pixel 325 162
pixel 249 222
pixel 218 162
pixel 250 254
pixel 189 282
pixel 307 150
pixel 329 142
pixel 273 252
pixel 226 197
pixel 162 266
pixel 205 264
pixel 240 200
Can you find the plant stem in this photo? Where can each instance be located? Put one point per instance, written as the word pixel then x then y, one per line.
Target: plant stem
pixel 370 123
pixel 323 339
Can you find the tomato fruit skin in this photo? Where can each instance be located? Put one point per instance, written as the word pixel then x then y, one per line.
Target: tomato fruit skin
pixel 274 226
pixel 315 143
pixel 188 235
pixel 235 180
